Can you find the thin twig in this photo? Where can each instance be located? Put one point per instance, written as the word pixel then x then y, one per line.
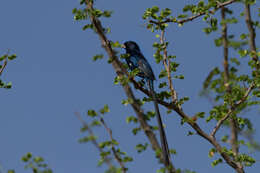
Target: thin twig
pixel 3 66
pixel 225 50
pixel 94 141
pixel 232 110
pixel 252 34
pixel 167 63
pixel 117 157
pixel 232 122
pixel 195 16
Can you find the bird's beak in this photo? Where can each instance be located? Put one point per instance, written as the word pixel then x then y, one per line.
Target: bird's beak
pixel 123 46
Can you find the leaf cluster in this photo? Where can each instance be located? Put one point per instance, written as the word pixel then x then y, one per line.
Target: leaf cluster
pixel 3 62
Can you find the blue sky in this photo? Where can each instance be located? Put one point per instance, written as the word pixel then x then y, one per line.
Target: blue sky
pixel 54 76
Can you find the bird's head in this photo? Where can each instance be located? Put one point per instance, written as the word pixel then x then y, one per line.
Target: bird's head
pixel 131 46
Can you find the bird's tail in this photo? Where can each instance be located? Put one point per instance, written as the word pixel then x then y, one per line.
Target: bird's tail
pixel 164 144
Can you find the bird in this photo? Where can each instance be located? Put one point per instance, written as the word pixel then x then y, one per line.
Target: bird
pixel 136 60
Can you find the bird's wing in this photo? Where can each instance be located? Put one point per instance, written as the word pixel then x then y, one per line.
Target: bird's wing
pixel 145 67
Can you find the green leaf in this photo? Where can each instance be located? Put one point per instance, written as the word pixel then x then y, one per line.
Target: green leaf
pixel 140 147
pixel 95 123
pixel 107 13
pixel 8 85
pixel 235 60
pixel 224 138
pixel 243 36
pixel 82 2
pixel 87 139
pixel 131 119
pixel 179 77
pixel 256 93
pixel 92 113
pixel 207 30
pixel 218 42
pixel 11 171
pixel 190 133
pixel 27 157
pixel 136 130
pixel 246 159
pixel 105 154
pixel 104 110
pixel 166 12
pixel 200 114
pixel 38 159
pixel 97 12
pixel 104 144
pixel 155 9
pixel 124 56
pixel 116 44
pixel 127 159
pixel 163 74
pixel 97 57
pixel 12 57
pixel 84 128
pixel 127 101
pixel 173 66
pixel 87 26
pixel 74 10
pixel 182 16
pixel 3 57
pixel 243 53
pixel 134 72
pixel 162 85
pixel 216 162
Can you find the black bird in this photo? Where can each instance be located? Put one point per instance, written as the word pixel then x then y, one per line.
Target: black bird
pixel 137 60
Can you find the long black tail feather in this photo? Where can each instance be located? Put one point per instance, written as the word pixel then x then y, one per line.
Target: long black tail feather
pixel 164 144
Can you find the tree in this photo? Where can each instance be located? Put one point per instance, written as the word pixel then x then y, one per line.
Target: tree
pixel 231 90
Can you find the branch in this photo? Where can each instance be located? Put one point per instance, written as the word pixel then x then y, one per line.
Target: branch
pixel 252 34
pixel 167 62
pixel 220 5
pixel 94 142
pixel 120 70
pixel 3 66
pixel 193 124
pixel 204 135
pixel 117 157
pixel 225 47
pixel 232 110
pixel 232 121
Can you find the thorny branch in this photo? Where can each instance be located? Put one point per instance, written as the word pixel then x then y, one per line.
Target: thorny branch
pixel 220 5
pixel 117 157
